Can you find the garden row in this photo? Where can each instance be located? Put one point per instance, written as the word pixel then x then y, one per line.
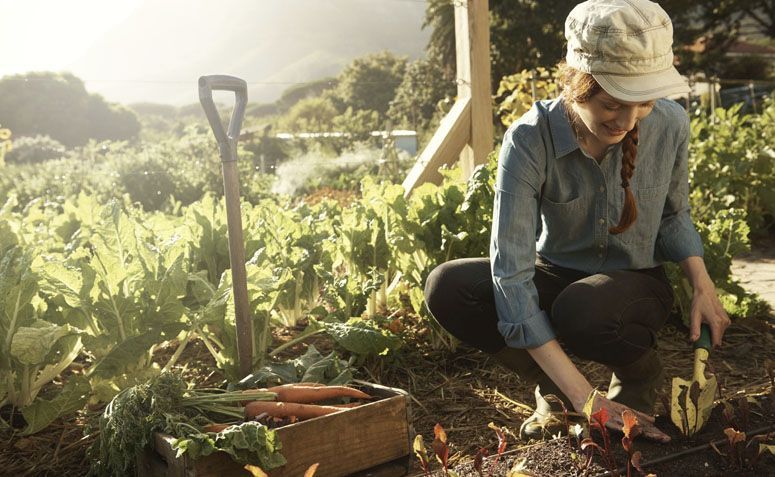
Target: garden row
pixel 105 281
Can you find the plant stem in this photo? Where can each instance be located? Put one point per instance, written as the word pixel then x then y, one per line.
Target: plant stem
pixel 181 346
pixel 294 341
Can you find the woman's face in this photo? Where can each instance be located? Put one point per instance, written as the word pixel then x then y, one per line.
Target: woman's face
pixel 607 120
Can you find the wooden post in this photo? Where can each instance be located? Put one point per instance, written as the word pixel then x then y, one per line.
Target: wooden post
pixel 466 133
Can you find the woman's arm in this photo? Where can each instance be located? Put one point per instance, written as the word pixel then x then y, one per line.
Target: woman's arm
pixel 560 369
pixel 706 306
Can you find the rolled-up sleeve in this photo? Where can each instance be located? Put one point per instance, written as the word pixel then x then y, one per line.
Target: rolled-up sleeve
pixel 677 238
pixel 521 167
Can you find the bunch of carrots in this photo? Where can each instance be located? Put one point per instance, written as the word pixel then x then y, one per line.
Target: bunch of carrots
pixel 297 402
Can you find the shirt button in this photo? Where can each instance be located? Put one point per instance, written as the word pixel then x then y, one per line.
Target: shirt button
pixel 602 221
pixel 602 189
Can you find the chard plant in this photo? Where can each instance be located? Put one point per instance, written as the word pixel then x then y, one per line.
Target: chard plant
pixel 33 350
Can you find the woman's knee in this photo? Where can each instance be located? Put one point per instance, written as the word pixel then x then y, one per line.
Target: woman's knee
pixel 451 282
pixel 601 322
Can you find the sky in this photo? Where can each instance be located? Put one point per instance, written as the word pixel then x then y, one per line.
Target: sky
pixel 155 50
pixel 58 38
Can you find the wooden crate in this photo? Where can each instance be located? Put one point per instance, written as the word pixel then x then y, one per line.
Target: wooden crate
pixel 370 440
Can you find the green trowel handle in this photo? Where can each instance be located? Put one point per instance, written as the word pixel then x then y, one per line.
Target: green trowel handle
pixel 704 339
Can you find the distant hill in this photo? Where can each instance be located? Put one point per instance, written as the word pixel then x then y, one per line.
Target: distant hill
pixel 263 41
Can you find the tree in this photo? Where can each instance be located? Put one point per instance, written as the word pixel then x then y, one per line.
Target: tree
pixel 417 98
pixel 524 34
pixel 717 24
pixel 370 82
pixel 310 115
pixel 58 105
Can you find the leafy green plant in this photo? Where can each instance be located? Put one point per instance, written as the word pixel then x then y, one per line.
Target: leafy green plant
pixel 165 404
pixel 5 144
pixel 517 92
pixel 34 149
pixel 730 164
pixel 34 351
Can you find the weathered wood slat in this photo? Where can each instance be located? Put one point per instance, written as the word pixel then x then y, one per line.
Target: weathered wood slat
pixel 453 133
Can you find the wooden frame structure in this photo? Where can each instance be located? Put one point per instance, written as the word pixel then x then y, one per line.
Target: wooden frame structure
pixel 466 132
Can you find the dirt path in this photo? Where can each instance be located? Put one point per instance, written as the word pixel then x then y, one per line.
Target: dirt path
pixel 756 270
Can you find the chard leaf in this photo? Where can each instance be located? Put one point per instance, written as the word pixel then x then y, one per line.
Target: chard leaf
pixel 310 367
pixel 129 352
pixel 31 344
pixel 41 413
pixel 59 279
pixel 248 443
pixel 362 337
pixel 115 246
pixel 169 290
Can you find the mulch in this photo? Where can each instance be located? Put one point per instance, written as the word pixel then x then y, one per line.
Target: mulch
pixel 461 389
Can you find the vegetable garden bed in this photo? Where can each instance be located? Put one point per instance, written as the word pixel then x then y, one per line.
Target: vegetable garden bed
pixel 707 453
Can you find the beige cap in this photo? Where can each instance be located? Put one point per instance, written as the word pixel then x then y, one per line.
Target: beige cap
pixel 627 45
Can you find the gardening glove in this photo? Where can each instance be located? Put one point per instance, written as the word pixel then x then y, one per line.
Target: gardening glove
pixel 596 402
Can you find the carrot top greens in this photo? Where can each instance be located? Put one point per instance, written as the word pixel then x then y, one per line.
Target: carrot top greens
pixel 165 404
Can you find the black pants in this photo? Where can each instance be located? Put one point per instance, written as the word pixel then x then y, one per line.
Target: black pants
pixel 611 318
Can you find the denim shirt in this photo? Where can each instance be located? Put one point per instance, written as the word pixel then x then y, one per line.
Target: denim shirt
pixel 554 199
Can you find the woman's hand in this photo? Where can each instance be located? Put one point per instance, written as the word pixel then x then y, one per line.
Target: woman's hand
pixel 615 422
pixel 707 308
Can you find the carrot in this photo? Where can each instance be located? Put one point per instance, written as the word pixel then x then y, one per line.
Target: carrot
pixel 288 409
pixel 215 427
pixel 307 394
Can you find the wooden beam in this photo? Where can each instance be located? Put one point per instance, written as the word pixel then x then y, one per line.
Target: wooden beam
pixel 453 133
pixel 470 120
pixel 481 95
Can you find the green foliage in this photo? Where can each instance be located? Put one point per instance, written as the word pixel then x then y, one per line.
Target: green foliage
pixel 516 92
pixel 26 108
pixel 34 149
pixel 298 92
pixel 731 165
pixel 164 404
pixel 5 144
pixel 33 350
pixel 717 24
pixel 417 98
pixel 158 176
pixel 310 367
pixel 523 35
pixel 310 115
pixel 370 82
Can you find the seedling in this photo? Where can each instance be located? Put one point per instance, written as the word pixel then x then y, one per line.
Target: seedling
pixel 598 420
pixel 440 447
pixel 479 460
pixel 501 444
pixel 631 430
pixel 422 454
pixel 743 453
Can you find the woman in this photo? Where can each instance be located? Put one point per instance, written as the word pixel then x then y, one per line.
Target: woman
pixel 591 199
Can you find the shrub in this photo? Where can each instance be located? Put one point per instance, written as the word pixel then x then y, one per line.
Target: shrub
pixel 29 150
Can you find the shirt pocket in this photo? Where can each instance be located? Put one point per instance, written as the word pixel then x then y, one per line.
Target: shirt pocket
pixel 651 202
pixel 564 223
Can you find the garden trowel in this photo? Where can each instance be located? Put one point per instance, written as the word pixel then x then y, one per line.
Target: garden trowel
pixel 692 401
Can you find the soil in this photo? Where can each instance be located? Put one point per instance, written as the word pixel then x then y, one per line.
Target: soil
pixel 682 456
